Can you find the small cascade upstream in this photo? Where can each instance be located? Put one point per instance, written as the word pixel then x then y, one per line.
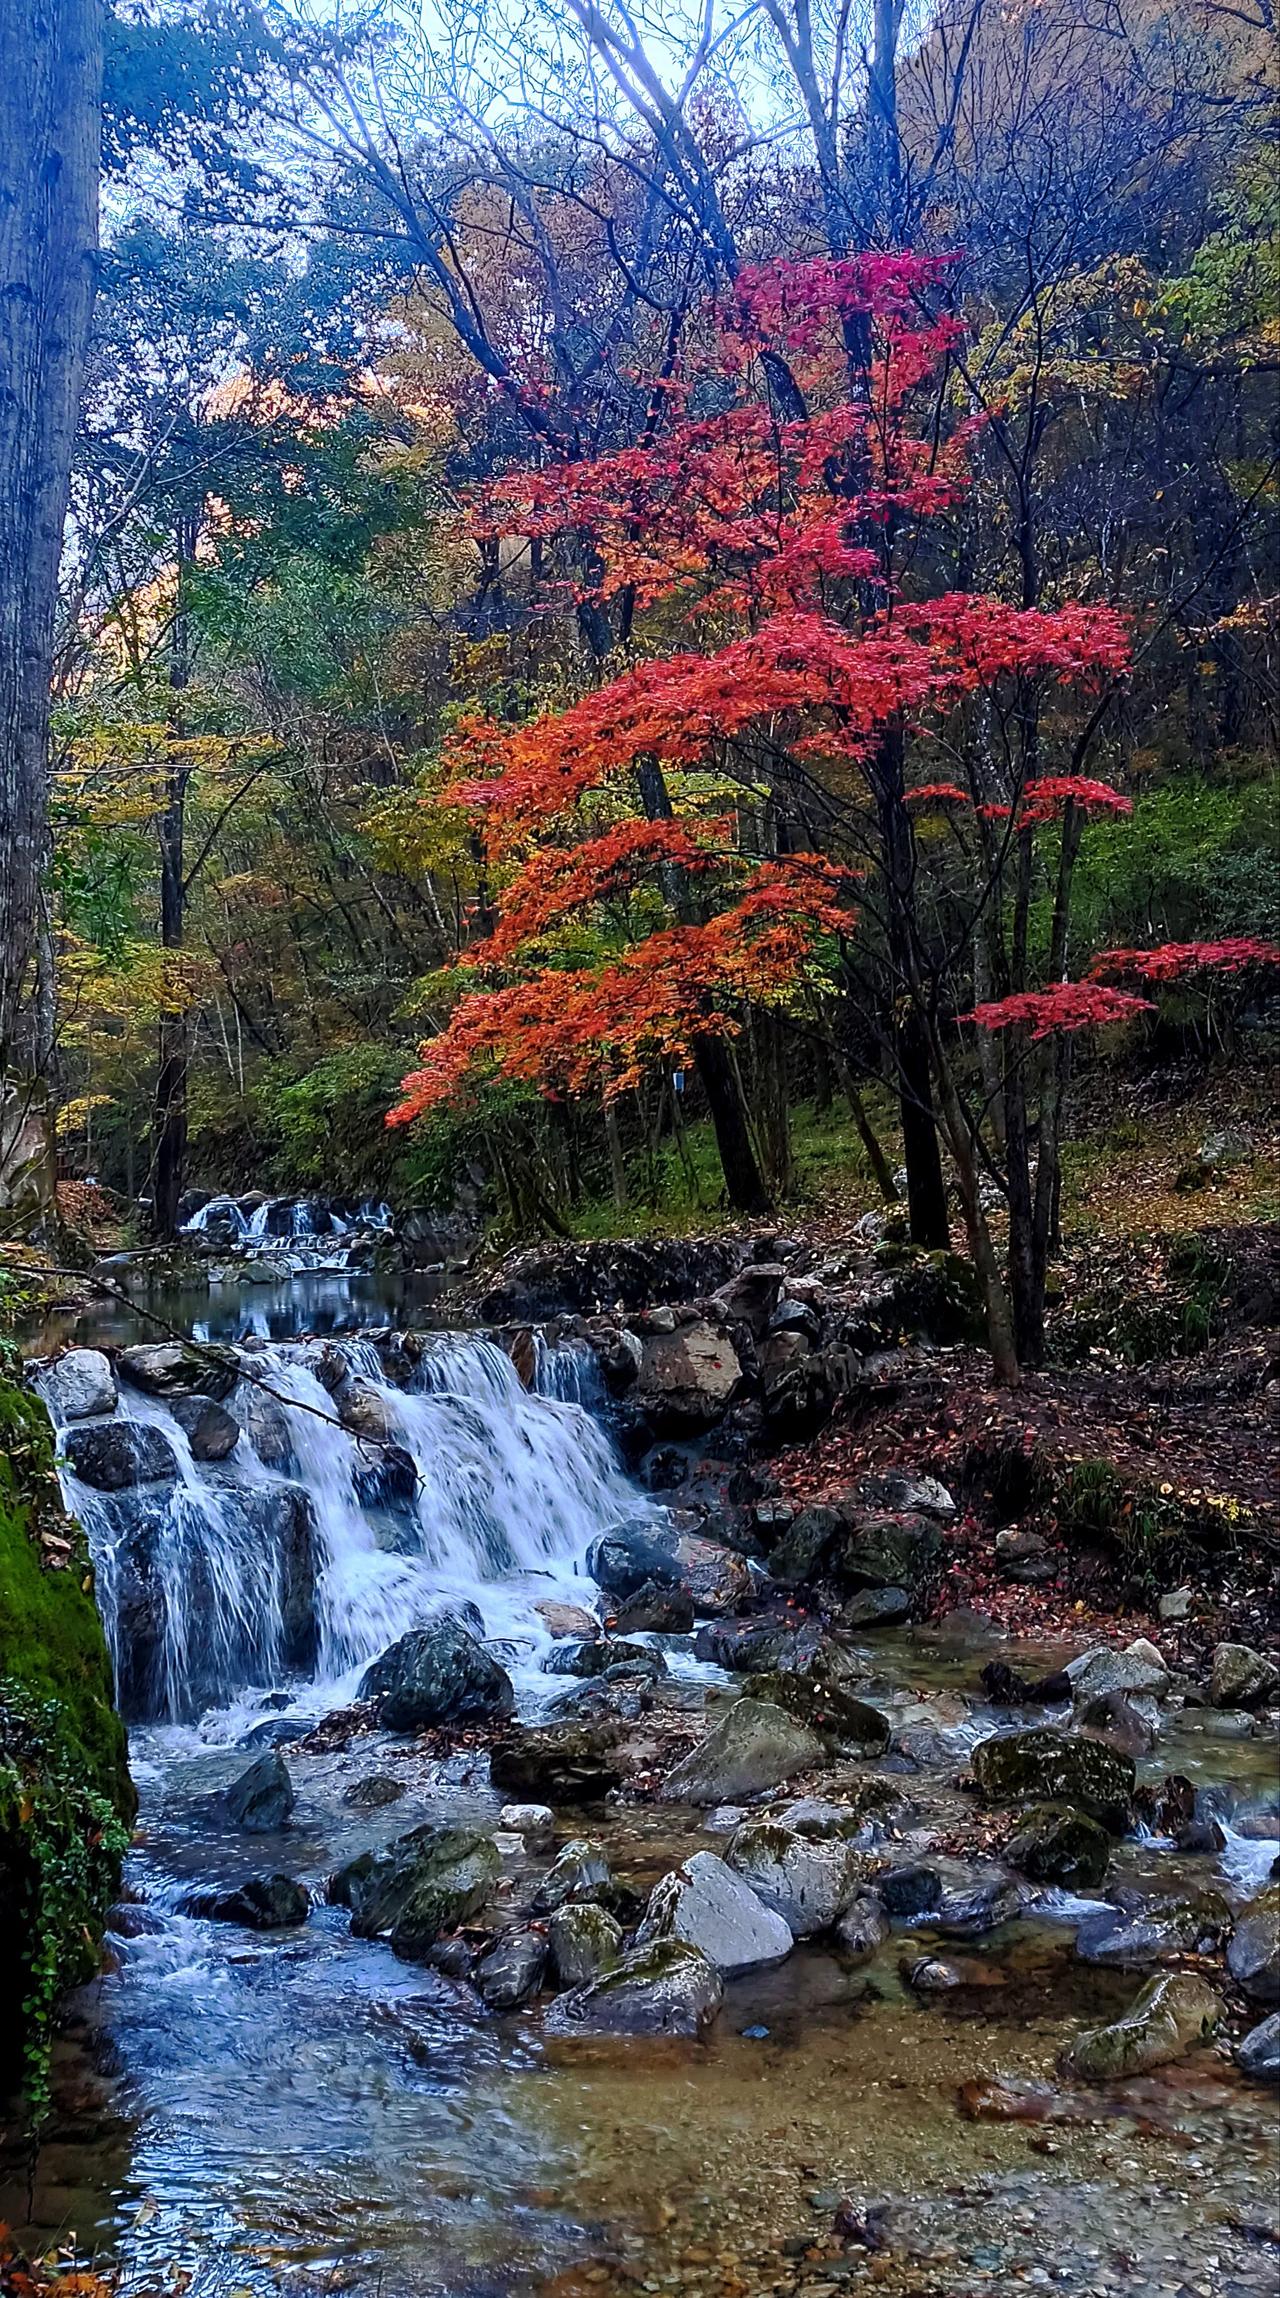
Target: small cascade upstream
pixel 346 1511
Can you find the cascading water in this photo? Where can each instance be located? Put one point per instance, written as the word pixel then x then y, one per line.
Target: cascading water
pixel 332 1528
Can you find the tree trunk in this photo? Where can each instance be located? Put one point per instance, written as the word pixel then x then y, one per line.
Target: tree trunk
pixel 617 1157
pixel 50 148
pixel 170 1124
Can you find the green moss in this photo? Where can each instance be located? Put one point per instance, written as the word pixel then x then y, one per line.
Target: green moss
pixel 65 1793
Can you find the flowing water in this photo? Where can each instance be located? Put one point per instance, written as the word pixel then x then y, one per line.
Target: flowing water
pixel 290 2114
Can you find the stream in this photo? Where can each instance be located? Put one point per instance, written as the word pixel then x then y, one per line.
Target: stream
pixel 284 2114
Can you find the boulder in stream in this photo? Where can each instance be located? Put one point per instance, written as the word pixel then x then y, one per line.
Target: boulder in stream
pixel 512 1970
pixel 753 1746
pixel 180 1368
pixel 1058 1845
pixel 424 1884
pixel 260 1903
pixel 808 1880
pixel 1048 1766
pixel 704 1903
pixel 557 1763
pixel 1171 2016
pixel 687 1378
pixel 209 1428
pixel 79 1385
pixel 580 1871
pixel 1258 2052
pixel 113 1455
pixel 586 1941
pixel 827 1706
pixel 437 1674
pixel 665 1988
pixel 263 1797
pixel 628 1557
pixel 1242 1678
pixel 1253 1958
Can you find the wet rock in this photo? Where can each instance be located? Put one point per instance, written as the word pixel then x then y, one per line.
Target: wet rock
pixel 827 1706
pixel 1130 1724
pixel 877 1608
pixel 629 1557
pixel 929 1975
pixel 373 1792
pixel 1242 1678
pixel 437 1674
pixel 909 1892
pixel 534 1822
pixel 513 1969
pixel 390 1481
pixel 918 1495
pixel 424 1884
pixel 557 1763
pixel 1177 1605
pixel 655 1611
pixel 112 1455
pixel 1024 1557
pixel 1048 1766
pixel 747 1647
pixel 263 1797
pixel 975 1904
pixel 798 1556
pixel 863 1927
pixel 365 1411
pixel 266 1424
pixel 883 1551
pixel 78 1386
pixel 567 1620
pixel 261 1903
pixel 585 1942
pixel 751 1296
pixel 808 1880
pixel 1005 1688
pixel 1171 2016
pixel 1058 1845
pixel 1258 2052
pixel 687 1378
pixel 1151 1932
pixel 581 1871
pixel 665 1988
pixel 277 1731
pixel 754 1746
pixel 209 1428
pixel 601 1653
pixel 1253 1958
pixel 706 1904
pixel 180 1368
pixel 716 1578
pixel 1096 1673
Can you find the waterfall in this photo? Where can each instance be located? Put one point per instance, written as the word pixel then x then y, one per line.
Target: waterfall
pixel 312 1547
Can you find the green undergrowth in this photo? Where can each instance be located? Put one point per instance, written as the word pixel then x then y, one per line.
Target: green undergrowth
pixel 66 1798
pixel 1145 1535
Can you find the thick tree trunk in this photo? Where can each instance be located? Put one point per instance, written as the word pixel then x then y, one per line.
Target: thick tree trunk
pixel 170 1160
pixel 50 139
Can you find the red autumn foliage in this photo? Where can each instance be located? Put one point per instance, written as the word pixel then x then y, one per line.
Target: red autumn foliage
pixel 1177 961
pixel 1069 1005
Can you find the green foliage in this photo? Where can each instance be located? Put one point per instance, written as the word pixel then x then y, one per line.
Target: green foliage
pixel 1197 859
pixel 65 1793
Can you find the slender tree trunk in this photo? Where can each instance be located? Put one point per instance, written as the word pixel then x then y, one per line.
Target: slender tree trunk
pixel 926 1190
pixel 743 1184
pixel 170 1125
pixel 867 1135
pixel 50 149
pixel 617 1158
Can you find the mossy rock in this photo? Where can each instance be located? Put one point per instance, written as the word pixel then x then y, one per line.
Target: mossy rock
pixel 826 1705
pixel 1046 1766
pixel 1172 2016
pixel 1057 1844
pixel 66 1798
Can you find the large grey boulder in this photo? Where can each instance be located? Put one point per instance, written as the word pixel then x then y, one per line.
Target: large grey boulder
pixel 1047 1766
pixel 180 1368
pixel 260 1903
pixel 1171 2016
pixel 424 1884
pixel 716 1577
pixel 1253 1958
pixel 585 1940
pixel 512 1970
pixel 687 1378
pixel 1154 1931
pixel 1056 1844
pixel 754 1746
pixel 1258 2052
pixel 704 1903
pixel 437 1674
pixel 1095 1673
pixel 79 1385
pixel 113 1455
pixel 1242 1678
pixel 211 1431
pixel 628 1557
pixel 262 1798
pixel 665 1988
pixel 826 1704
pixel 808 1880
